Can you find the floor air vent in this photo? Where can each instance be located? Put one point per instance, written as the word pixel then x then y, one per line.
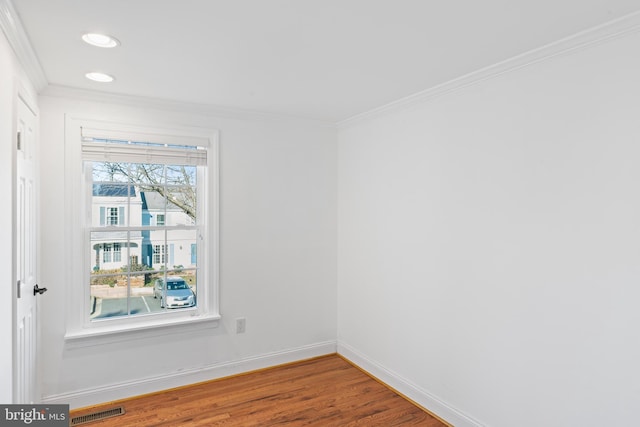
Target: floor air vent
pixel 95 416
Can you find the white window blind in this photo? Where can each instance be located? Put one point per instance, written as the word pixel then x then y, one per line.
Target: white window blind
pixel 124 146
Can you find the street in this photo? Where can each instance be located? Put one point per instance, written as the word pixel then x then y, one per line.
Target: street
pixel 114 307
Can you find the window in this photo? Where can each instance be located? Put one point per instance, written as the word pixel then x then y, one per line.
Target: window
pixel 122 289
pixel 112 216
pixel 130 177
pixel 117 254
pixel 159 254
pixel 111 252
pixel 106 254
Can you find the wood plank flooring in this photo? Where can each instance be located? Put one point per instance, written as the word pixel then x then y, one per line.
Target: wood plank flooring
pixel 323 392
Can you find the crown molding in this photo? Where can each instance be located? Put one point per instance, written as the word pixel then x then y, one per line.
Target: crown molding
pixel 135 101
pixel 596 35
pixel 19 42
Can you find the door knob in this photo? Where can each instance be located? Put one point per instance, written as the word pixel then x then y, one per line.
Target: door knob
pixel 37 290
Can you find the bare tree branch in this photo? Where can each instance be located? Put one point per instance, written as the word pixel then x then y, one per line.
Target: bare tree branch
pixel 153 178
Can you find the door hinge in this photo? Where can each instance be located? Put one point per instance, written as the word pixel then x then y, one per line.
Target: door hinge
pixel 19 140
pixel 18 293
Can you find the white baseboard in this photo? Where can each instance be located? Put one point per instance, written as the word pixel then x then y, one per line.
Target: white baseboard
pixel 142 386
pixel 407 388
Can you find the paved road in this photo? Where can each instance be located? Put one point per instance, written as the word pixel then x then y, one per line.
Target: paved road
pixel 114 307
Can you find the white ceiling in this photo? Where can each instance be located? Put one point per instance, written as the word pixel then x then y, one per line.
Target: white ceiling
pixel 320 59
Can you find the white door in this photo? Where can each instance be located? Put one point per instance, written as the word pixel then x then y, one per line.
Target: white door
pixel 26 232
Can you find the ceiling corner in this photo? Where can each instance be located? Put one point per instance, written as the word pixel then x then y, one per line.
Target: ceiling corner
pixel 19 42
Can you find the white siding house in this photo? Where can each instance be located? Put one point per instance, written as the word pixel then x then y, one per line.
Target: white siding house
pixel 115 205
pixel 178 248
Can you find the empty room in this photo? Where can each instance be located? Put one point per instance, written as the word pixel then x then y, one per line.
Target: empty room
pixel 327 213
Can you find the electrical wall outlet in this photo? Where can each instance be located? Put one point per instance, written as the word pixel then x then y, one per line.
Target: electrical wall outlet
pixel 241 325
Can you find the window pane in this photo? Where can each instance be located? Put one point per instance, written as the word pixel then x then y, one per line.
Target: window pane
pixel 152 266
pixel 180 244
pixel 147 175
pixel 110 172
pixel 141 299
pixel 110 250
pixel 181 175
pixel 190 276
pixel 112 203
pixel 159 261
pixel 108 296
pixel 137 173
pixel 179 247
pixel 117 295
pixel 181 205
pixel 176 291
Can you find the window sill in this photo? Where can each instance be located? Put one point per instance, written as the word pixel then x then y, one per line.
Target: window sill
pixel 109 334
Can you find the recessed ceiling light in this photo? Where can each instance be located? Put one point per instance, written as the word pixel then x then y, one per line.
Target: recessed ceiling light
pixel 99 77
pixel 100 40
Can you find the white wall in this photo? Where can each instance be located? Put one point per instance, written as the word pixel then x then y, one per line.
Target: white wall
pixel 489 244
pixel 7 126
pixel 277 267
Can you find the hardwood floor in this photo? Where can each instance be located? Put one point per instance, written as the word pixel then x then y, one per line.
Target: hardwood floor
pixel 326 391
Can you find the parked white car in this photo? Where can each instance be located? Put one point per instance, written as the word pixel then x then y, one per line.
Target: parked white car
pixel 176 293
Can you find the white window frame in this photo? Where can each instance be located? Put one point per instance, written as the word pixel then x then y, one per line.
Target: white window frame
pixel 160 256
pixel 109 218
pixel 80 330
pixel 117 252
pixel 107 249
